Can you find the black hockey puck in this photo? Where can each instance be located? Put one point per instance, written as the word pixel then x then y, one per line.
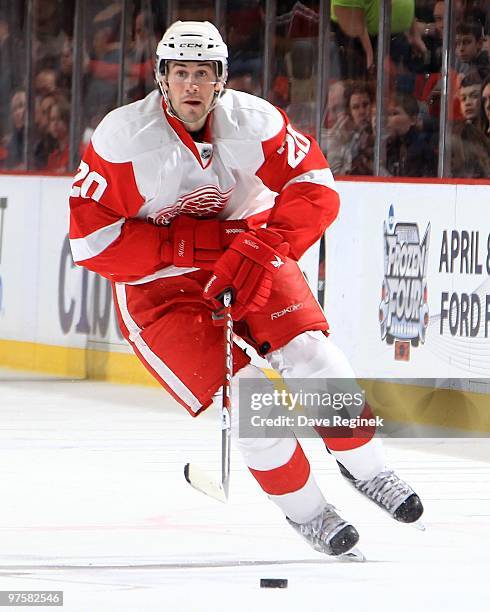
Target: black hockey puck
pixel 273 583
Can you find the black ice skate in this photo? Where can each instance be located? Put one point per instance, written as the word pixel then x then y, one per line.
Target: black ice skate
pixel 328 533
pixel 391 493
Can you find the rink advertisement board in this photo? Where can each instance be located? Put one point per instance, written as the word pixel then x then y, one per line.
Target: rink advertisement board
pixel 408 289
pixel 45 300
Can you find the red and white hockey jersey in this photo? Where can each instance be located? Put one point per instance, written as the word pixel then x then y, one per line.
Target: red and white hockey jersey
pixel 142 169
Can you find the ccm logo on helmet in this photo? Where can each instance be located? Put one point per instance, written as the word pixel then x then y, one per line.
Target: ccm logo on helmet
pixel 191 45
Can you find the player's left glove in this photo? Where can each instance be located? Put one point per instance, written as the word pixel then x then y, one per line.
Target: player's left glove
pixel 247 268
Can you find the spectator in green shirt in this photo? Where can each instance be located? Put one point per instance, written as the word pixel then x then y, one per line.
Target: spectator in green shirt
pixel 360 18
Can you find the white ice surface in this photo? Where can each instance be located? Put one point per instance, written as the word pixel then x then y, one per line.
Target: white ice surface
pixel 93 502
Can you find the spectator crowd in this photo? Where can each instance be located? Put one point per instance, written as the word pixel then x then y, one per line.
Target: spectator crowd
pixel 413 69
pixel 44 145
pixel 116 67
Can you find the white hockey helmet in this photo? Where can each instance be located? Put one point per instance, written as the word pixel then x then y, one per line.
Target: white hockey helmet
pixel 192 41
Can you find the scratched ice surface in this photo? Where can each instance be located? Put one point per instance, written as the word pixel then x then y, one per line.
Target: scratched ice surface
pixel 94 503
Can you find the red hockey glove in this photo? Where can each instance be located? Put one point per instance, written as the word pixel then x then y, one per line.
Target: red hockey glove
pixel 198 243
pixel 247 269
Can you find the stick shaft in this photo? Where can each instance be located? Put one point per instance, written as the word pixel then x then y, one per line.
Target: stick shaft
pixel 194 475
pixel 226 401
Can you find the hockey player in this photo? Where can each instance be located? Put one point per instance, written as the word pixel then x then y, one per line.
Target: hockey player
pixel 197 189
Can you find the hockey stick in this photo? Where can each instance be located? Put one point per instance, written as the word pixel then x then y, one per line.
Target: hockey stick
pixel 195 475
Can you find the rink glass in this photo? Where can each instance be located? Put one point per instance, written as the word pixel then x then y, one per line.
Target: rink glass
pixel 95 55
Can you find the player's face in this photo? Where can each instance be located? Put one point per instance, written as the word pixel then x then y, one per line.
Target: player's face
pixel 470 98
pixel 191 88
pixel 360 109
pixel 486 101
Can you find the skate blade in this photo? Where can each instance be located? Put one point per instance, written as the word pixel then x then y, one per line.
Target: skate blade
pixel 352 555
pixel 419 525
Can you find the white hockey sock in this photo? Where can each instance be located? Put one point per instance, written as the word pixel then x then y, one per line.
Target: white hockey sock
pixel 302 505
pixel 365 461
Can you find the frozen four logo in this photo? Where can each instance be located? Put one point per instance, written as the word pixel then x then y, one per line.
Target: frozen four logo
pixel 403 311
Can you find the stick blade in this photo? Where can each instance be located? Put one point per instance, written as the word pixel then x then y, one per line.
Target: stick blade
pixel 199 480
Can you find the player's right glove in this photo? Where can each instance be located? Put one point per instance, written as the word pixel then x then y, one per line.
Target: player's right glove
pixel 247 268
pixel 198 243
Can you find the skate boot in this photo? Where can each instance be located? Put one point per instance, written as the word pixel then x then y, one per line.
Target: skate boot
pixel 391 493
pixel 327 533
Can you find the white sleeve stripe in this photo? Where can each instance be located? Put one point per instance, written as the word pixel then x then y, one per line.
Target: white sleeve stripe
pixel 96 242
pixel 154 361
pixel 319 177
